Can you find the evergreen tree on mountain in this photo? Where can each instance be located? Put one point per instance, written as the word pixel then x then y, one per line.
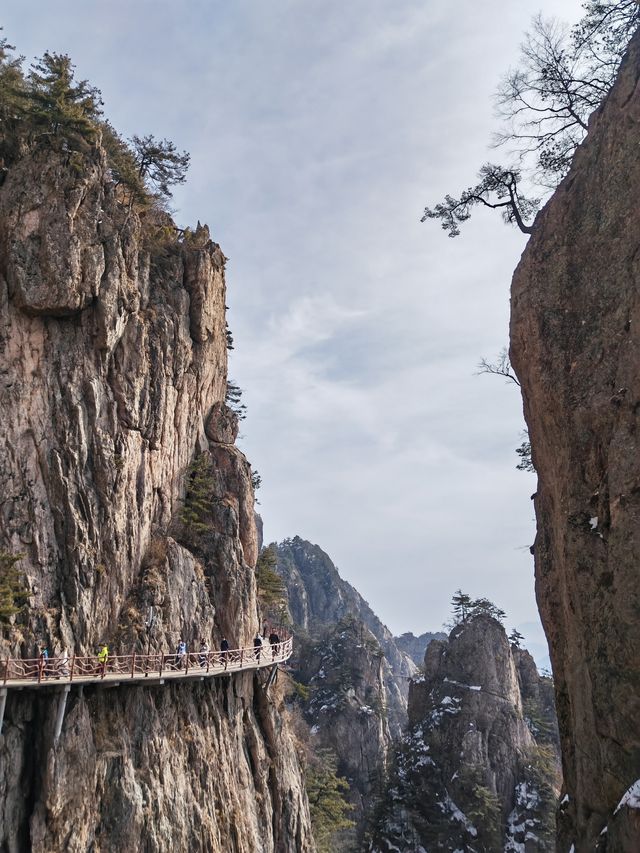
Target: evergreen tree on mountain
pixel 545 103
pixel 465 608
pixel 12 85
pixel 160 165
pixel 461 603
pixel 515 638
pixel 59 104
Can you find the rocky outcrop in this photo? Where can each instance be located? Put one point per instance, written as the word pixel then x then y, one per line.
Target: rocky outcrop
pixel 318 598
pixel 414 646
pixel 575 339
pixel 355 675
pixel 346 712
pixel 469 773
pixel 121 486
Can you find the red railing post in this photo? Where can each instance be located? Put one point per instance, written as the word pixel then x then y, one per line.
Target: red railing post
pixel 133 664
pixel 40 669
pixel 73 663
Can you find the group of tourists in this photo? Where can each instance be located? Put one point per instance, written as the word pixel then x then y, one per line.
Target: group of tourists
pixel 258 643
pixel 59 666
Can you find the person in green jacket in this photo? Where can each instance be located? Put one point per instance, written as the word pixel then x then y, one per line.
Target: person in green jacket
pixel 103 657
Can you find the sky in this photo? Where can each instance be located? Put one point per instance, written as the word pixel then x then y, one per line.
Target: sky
pixel 318 131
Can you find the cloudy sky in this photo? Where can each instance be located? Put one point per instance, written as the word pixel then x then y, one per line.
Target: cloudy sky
pixel 319 130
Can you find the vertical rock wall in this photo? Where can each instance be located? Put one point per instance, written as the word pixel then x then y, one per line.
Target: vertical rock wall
pixel 112 380
pixel 471 772
pixel 575 344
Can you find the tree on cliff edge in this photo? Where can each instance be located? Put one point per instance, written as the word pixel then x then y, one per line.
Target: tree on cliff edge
pixel 160 165
pixel 59 104
pixel 545 103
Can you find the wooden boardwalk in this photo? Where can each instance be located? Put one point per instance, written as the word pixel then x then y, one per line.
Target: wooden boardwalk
pixel 144 669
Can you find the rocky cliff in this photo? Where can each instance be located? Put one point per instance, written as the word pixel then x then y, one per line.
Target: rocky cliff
pixel 476 768
pixel 357 678
pixel 346 713
pixel 112 381
pixel 414 646
pixel 575 344
pixel 319 599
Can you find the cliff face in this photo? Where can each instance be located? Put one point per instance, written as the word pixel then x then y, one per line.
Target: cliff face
pixel 319 598
pixel 575 344
pixel 346 713
pixel 113 373
pixel 414 646
pixel 354 672
pixel 469 773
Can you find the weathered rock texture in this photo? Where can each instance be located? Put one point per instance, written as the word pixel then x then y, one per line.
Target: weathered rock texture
pixel 112 380
pixel 319 598
pixel 469 773
pixel 414 646
pixel 346 712
pixel 356 676
pixel 575 344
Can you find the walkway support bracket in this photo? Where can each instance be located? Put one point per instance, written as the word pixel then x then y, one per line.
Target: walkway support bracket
pixel 62 704
pixel 3 704
pixel 273 674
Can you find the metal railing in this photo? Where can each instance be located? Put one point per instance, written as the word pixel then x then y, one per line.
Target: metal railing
pixel 138 667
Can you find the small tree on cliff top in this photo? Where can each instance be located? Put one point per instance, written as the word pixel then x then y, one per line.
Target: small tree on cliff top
pixel 160 165
pixel 466 608
pixel 59 104
pixel 515 638
pixel 563 75
pixel 461 604
pixel 49 101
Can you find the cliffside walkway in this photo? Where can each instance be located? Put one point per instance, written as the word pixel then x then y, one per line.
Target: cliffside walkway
pixel 32 672
pixel 156 668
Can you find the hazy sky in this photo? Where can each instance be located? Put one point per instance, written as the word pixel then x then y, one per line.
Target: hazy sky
pixel 318 132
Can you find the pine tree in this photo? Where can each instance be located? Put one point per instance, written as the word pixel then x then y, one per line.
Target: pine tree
pixel 12 84
pixel 13 591
pixel 123 166
pixel 233 399
pixel 271 589
pixel 160 165
pixel 484 606
pixel 461 604
pixel 59 104
pixel 515 638
pixel 327 804
pixel 196 508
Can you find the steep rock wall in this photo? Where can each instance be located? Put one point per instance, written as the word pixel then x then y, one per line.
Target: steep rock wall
pixel 469 773
pixel 346 711
pixel 319 598
pixel 112 377
pixel 575 344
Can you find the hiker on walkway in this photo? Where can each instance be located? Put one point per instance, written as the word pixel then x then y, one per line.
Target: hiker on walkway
pixel 257 645
pixel 224 649
pixel 181 654
pixel 203 655
pixel 44 658
pixel 103 657
pixel 274 639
